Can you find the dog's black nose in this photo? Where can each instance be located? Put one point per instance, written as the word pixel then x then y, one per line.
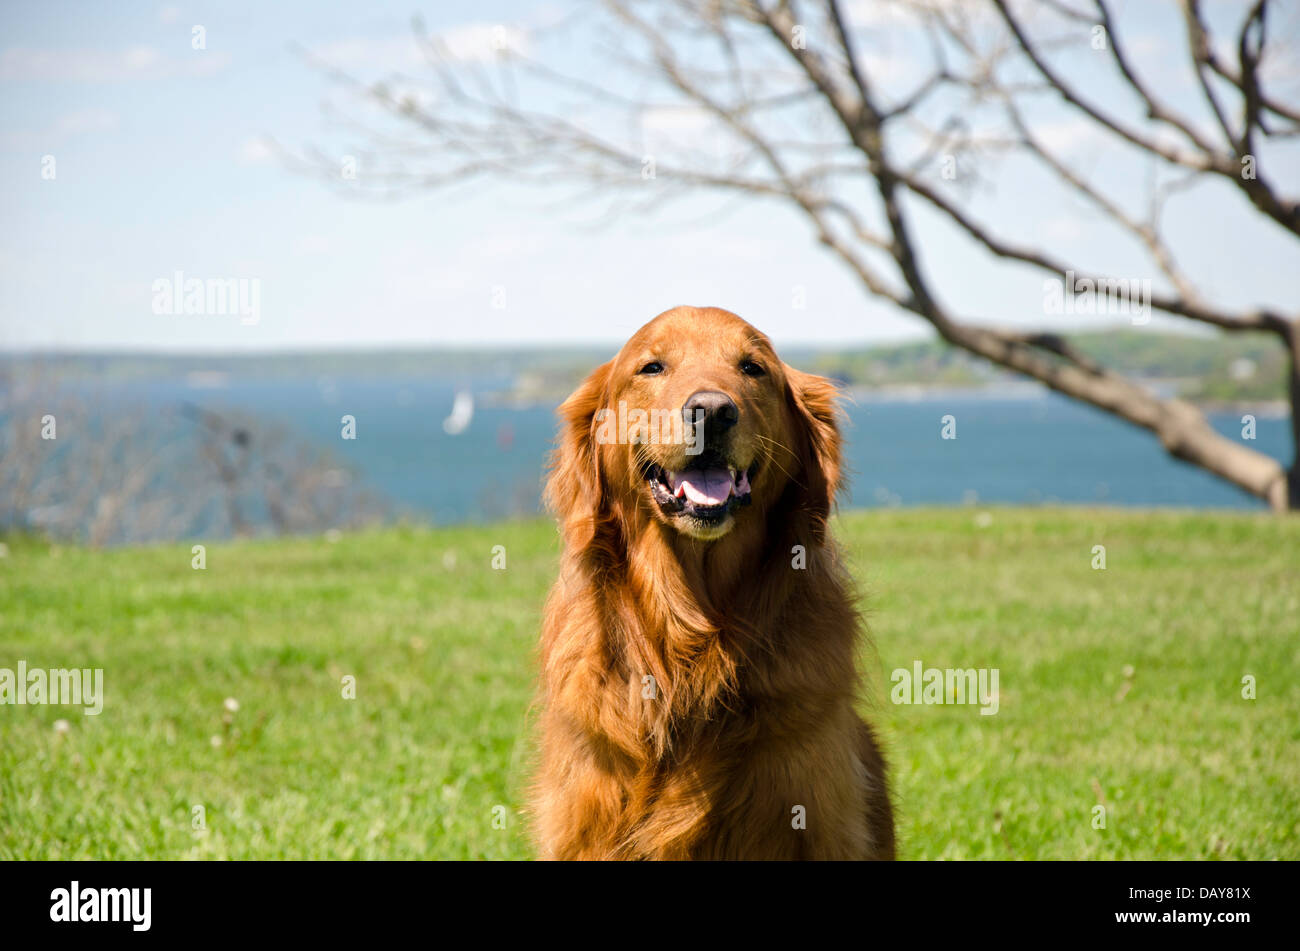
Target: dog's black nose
pixel 717 411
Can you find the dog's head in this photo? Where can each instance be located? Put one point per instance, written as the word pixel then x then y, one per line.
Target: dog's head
pixel 698 424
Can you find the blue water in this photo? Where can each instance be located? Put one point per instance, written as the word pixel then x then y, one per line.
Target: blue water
pixel 1038 450
pixel 1043 449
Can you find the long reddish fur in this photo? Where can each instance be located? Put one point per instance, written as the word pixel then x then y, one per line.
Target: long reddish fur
pixel 754 666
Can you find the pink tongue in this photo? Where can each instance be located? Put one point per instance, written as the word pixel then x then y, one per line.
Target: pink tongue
pixel 703 486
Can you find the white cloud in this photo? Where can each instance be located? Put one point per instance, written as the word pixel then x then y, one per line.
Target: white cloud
pixel 472 42
pixel 671 131
pixel 903 13
pixel 89 65
pixel 88 120
pixel 62 129
pixel 399 52
pixel 169 14
pixel 140 58
pixel 480 42
pixel 691 120
pixel 255 152
pixel 1066 135
pixel 878 13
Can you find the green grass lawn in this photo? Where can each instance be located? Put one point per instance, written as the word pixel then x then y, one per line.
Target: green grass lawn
pixel 1120 687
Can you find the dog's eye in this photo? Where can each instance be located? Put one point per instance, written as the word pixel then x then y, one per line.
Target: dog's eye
pixel 654 366
pixel 750 368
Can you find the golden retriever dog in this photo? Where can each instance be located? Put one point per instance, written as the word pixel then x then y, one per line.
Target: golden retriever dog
pixel 699 648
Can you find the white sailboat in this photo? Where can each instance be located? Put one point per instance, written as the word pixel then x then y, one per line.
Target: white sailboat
pixel 462 411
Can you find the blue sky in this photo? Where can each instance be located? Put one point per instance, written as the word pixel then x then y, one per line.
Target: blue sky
pixel 161 166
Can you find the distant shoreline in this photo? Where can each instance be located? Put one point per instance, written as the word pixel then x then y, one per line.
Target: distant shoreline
pixel 1032 390
pixel 1219 374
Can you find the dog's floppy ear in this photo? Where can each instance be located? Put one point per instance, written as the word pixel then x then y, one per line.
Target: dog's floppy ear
pixel 813 401
pixel 575 490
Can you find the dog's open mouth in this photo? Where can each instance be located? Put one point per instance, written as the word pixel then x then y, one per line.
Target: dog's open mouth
pixel 707 489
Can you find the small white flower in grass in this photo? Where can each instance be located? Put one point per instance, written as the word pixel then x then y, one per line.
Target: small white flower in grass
pixel 1127 685
pixel 333 536
pixel 61 727
pixel 983 519
pixel 215 741
pixel 231 705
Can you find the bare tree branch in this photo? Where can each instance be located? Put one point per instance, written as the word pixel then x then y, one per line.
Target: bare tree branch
pixel 798 118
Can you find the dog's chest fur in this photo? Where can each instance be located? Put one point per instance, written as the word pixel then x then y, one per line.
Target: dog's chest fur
pixel 732 742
